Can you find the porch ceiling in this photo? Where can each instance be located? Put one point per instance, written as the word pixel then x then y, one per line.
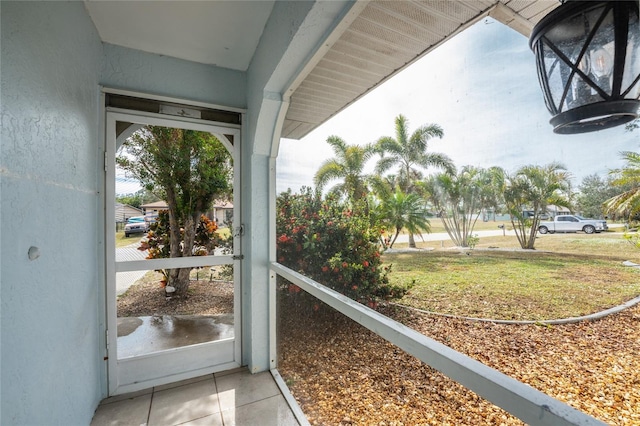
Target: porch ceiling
pixel 222 33
pixel 385 38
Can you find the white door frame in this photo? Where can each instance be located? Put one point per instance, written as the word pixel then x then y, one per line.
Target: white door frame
pixel 140 372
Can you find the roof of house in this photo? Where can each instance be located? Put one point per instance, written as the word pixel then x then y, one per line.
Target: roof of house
pixel 156 205
pixel 221 204
pixel 126 206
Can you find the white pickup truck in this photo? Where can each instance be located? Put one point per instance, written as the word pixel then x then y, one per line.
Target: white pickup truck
pixel 573 223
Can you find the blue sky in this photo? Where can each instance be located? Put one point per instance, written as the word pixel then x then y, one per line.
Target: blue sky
pixel 481 87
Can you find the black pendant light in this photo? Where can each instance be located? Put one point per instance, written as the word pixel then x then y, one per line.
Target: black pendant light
pixel 588 60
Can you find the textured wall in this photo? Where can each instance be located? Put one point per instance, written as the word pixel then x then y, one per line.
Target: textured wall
pixel 293 33
pixel 161 75
pixel 52 371
pixel 52 366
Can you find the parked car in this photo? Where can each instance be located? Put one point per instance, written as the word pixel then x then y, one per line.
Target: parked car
pixel 573 223
pixel 135 225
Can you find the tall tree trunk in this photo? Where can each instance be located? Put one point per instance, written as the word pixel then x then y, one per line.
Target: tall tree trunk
pixel 412 241
pixel 520 231
pixel 395 237
pixel 179 278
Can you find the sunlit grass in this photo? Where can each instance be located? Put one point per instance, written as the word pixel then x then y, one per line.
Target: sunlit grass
pixel 584 276
pixel 611 244
pixel 122 241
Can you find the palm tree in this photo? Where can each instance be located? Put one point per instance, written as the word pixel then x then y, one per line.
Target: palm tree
pixel 493 188
pixel 626 204
pixel 404 211
pixel 407 152
pixel 383 187
pixel 459 199
pixel 348 165
pixel 534 188
pixel 410 151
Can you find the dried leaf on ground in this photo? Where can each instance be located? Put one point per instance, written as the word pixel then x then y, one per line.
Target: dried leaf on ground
pixel 343 374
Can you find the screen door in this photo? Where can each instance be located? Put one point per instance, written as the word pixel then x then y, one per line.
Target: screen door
pixel 173 276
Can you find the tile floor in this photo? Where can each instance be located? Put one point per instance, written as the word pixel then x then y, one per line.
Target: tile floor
pixel 228 398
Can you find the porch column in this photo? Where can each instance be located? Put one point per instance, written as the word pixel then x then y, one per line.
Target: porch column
pixel 292 38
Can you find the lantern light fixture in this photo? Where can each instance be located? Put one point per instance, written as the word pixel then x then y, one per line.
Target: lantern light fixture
pixel 588 61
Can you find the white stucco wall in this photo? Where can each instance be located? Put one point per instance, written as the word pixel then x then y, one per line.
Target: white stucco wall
pixel 52 367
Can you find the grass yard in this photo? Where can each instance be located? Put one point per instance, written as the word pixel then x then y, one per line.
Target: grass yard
pixel 122 241
pixel 607 244
pixel 567 275
pixel 516 285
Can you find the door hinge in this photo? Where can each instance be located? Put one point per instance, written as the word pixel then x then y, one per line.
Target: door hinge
pixel 238 257
pixel 105 161
pixel 106 338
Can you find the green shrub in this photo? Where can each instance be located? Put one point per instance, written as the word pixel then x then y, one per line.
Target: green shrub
pixel 633 238
pixel 332 243
pixel 158 241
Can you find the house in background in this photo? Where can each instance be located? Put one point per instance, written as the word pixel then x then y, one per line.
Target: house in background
pixel 554 210
pixel 125 211
pixel 154 208
pixel 222 212
pixel 77 77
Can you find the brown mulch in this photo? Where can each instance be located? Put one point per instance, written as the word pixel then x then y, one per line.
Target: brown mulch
pixel 203 298
pixel 344 374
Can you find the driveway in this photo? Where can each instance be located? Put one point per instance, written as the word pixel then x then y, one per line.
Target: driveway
pixel 124 280
pixel 443 236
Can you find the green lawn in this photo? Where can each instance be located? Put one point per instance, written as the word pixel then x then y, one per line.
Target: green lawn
pixel 122 241
pixel 582 274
